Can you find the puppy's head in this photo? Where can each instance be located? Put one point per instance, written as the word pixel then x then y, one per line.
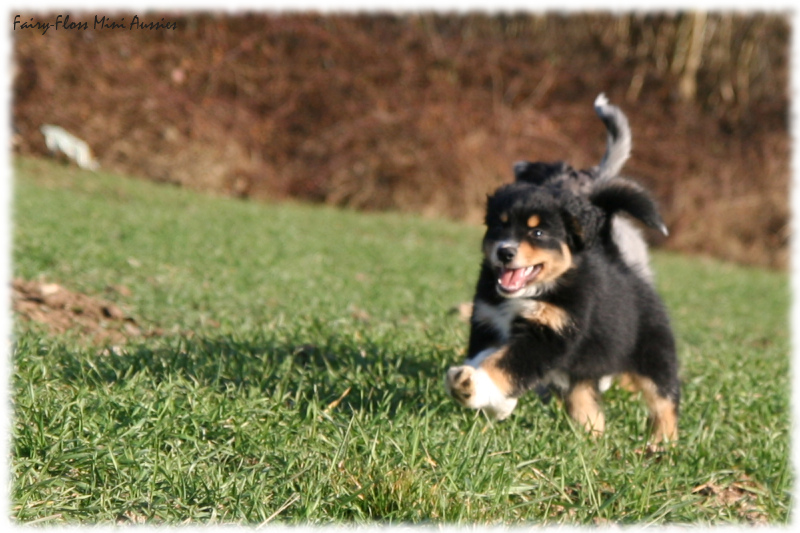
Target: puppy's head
pixel 533 234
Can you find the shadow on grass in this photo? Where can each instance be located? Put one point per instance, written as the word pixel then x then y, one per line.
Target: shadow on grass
pixel 363 375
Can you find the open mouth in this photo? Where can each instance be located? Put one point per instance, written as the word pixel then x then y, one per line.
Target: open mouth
pixel 513 279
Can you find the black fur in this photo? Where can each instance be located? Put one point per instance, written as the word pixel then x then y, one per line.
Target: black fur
pixel 557 174
pixel 624 195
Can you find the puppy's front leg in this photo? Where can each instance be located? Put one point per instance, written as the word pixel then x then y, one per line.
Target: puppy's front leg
pixel 481 384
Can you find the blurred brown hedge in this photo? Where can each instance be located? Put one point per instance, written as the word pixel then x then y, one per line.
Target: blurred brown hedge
pixel 426 112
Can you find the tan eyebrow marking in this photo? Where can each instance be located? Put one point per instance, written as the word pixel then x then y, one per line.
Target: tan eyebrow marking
pixel 503 217
pixel 533 221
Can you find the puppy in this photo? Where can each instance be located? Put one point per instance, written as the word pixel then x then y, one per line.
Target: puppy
pixel 628 238
pixel 557 304
pixel 57 139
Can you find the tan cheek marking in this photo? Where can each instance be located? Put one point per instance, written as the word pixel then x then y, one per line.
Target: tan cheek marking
pixel 663 411
pixel 583 407
pixel 534 221
pixel 528 255
pixel 555 263
pixel 498 376
pixel 561 263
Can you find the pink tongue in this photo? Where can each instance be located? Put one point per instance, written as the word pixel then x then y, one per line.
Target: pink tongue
pixel 512 279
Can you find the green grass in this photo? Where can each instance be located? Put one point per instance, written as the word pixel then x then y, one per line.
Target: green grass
pixel 299 377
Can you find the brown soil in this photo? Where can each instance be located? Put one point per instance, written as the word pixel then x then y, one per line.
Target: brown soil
pixel 60 310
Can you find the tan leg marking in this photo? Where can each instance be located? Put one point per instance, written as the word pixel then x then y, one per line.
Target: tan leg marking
pixel 583 407
pixel 549 315
pixel 663 411
pixel 498 376
pixel 627 382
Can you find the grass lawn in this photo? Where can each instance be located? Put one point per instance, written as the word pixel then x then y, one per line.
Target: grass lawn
pixel 296 377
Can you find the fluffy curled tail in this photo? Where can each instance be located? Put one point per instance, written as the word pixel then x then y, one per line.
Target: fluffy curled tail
pixel 618 147
pixel 623 195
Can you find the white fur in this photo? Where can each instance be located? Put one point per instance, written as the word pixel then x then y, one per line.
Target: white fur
pixel 632 246
pixel 532 290
pixel 58 139
pixel 605 383
pixel 486 396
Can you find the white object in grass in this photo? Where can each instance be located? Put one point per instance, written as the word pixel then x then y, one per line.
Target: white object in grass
pixel 58 139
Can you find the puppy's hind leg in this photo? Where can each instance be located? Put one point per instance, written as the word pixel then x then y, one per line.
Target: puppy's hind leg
pixel 663 410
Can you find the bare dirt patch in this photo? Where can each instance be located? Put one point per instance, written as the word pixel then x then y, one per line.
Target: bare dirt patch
pixel 60 310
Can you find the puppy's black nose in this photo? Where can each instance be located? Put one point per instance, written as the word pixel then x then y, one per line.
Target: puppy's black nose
pixel 506 254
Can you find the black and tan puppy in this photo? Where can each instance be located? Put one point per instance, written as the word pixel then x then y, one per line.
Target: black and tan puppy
pixel 556 304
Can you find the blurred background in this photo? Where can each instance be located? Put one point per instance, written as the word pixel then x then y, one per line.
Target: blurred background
pixel 426 112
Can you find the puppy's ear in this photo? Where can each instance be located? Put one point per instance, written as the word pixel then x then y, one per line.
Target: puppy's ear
pixel 538 173
pixel 622 195
pixel 583 222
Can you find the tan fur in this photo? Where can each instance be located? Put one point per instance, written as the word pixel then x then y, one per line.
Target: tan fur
pixel 663 412
pixel 549 315
pixel 534 221
pixel 555 263
pixel 500 377
pixel 627 382
pixel 583 407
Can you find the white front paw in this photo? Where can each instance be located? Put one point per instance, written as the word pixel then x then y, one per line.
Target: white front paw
pixel 460 386
pixel 472 387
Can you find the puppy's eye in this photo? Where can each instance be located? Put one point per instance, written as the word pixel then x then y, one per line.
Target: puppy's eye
pixel 536 232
